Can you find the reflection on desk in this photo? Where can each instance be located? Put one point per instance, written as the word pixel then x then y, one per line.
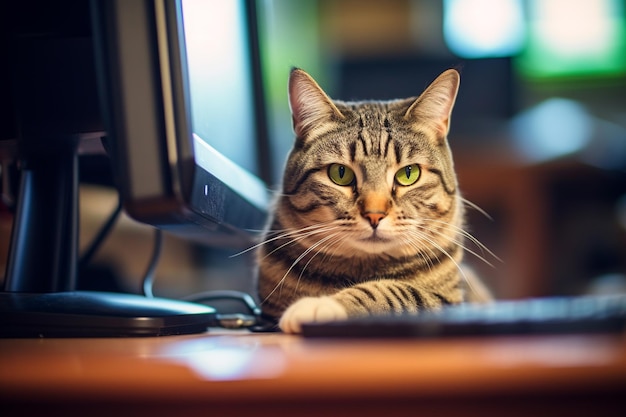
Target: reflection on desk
pixel 238 373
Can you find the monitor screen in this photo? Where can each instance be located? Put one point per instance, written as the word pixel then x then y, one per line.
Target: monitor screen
pixel 217 46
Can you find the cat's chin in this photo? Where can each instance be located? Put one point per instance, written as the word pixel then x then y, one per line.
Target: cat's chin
pixel 375 240
pixel 375 244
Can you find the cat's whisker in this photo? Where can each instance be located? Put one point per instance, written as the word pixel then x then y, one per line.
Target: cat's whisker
pixel 293 265
pixel 444 252
pixel 317 252
pixel 476 207
pixel 460 230
pixel 299 238
pixel 458 267
pixel 328 254
pixel 422 237
pixel 292 230
pixel 461 245
pixel 420 251
pixel 467 235
pixel 305 253
pixel 286 233
pixel 458 243
pixel 298 259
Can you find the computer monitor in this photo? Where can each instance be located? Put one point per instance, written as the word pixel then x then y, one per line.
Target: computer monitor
pixel 170 124
pixel 164 150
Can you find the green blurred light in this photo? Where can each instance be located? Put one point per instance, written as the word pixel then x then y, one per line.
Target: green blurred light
pixel 575 38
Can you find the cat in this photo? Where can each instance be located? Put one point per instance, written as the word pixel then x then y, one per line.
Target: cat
pixel 369 219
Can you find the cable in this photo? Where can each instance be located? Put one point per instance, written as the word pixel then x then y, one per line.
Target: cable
pixel 148 277
pixel 100 237
pixel 254 320
pixel 245 298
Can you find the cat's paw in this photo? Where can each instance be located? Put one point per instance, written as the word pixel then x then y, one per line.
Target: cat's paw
pixel 311 309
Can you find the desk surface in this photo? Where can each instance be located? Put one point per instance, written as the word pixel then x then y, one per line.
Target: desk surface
pixel 222 373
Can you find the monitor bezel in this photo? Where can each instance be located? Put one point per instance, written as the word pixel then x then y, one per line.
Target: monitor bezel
pixel 183 186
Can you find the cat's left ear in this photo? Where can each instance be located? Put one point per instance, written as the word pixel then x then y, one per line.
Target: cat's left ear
pixel 435 104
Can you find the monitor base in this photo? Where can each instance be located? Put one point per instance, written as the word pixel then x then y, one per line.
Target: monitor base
pixel 99 314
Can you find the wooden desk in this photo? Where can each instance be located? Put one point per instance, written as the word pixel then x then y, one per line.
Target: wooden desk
pixel 241 374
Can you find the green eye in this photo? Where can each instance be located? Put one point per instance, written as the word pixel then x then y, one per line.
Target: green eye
pixel 341 174
pixel 408 175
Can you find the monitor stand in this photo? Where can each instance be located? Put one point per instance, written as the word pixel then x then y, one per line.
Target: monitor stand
pixel 39 299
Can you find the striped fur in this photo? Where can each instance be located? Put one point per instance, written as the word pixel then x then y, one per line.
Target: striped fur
pixel 373 246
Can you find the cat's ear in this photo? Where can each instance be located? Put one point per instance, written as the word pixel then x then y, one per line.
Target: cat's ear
pixel 435 105
pixel 310 106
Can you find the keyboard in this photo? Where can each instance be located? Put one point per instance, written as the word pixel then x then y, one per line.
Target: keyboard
pixel 549 315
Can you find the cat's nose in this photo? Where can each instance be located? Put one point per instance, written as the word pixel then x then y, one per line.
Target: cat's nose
pixel 374 207
pixel 374 217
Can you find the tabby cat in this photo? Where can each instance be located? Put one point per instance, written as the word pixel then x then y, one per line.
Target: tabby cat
pixel 370 219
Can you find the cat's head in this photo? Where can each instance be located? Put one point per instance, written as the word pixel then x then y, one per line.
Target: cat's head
pixel 371 177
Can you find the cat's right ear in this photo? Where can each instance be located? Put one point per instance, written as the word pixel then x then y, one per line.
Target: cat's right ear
pixel 310 107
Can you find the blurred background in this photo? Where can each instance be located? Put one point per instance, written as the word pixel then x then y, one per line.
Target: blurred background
pixel 538 134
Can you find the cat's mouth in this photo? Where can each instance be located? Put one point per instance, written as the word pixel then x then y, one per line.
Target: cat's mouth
pixel 374 243
pixel 375 237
